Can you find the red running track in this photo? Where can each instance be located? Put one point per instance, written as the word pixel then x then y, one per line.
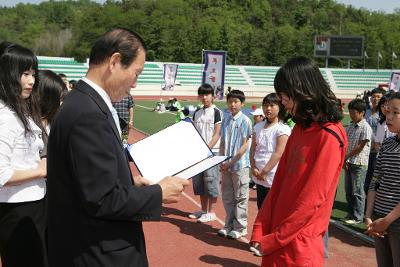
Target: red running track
pixel 177 241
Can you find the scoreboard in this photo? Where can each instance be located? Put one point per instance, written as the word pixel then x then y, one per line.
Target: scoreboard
pixel 336 46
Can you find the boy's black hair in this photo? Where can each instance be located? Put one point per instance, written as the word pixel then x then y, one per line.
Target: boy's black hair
pixel 357 105
pixel 236 94
pixel 205 89
pixel 378 90
pixel 273 98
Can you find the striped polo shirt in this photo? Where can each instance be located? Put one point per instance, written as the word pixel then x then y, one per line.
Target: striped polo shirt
pixel 233 131
pixel 386 179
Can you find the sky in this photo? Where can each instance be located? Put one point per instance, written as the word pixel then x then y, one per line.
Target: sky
pixel 387 6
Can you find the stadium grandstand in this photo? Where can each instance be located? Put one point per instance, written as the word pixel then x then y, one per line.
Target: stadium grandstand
pixel 255 81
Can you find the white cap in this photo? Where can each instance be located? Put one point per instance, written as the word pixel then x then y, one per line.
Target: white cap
pixel 257 112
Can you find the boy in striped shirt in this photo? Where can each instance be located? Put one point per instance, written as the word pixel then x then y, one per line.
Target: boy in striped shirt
pixel 383 204
pixel 235 133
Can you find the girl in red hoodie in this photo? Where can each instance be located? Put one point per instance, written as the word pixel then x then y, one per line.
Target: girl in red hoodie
pixel 290 225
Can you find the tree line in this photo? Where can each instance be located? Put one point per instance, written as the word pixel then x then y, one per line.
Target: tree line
pixel 253 32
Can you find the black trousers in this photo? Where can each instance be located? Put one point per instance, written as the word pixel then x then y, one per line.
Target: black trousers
pixel 23 234
pixel 370 171
pixel 262 193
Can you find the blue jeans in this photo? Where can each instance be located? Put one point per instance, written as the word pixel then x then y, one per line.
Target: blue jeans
pixel 355 194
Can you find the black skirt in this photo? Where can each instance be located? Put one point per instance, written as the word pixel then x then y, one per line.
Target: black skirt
pixel 23 229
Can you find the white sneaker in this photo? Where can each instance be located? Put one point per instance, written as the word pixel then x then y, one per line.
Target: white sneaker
pixel 255 251
pixel 207 217
pixel 196 215
pixel 223 232
pixel 351 221
pixel 237 234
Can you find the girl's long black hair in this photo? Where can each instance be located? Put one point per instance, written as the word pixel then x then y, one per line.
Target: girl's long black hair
pixel 301 80
pixel 14 61
pixel 50 89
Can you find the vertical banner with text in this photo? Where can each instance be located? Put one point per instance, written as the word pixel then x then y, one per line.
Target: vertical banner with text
pixel 395 82
pixel 214 71
pixel 170 72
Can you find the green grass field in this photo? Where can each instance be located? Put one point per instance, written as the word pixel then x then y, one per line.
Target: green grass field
pixel 150 122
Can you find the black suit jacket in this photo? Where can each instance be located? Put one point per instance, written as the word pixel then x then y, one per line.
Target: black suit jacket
pixel 95 211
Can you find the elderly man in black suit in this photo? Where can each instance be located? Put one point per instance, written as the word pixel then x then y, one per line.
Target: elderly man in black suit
pixel 96 207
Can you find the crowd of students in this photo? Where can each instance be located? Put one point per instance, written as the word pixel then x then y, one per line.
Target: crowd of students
pixel 295 187
pixel 305 181
pixel 295 169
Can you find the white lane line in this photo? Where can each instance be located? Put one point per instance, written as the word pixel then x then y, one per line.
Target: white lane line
pixel 198 205
pixel 244 239
pixel 221 222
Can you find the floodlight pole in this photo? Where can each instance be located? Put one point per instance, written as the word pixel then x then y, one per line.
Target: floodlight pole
pixel 348 63
pixel 392 60
pixel 378 62
pixel 364 62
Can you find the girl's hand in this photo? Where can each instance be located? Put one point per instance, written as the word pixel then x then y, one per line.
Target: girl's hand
pixel 225 166
pixel 369 231
pixel 377 146
pixel 255 172
pixel 367 221
pixel 262 176
pixel 380 225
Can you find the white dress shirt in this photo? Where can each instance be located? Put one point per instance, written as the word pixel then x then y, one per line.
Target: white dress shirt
pixel 19 152
pixel 106 99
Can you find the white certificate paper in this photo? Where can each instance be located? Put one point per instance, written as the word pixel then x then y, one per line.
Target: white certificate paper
pixel 176 150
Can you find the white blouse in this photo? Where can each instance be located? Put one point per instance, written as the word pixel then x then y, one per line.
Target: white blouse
pixel 266 140
pixel 382 132
pixel 19 152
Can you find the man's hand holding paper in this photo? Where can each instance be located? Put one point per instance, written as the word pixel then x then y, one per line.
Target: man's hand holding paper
pixel 172 188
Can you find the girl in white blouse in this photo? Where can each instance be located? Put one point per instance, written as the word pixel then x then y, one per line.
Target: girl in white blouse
pixel 22 171
pixel 268 143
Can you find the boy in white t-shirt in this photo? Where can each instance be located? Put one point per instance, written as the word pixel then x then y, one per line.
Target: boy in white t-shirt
pixel 206 184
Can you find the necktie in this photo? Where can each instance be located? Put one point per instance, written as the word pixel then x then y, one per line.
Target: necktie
pixel 116 119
